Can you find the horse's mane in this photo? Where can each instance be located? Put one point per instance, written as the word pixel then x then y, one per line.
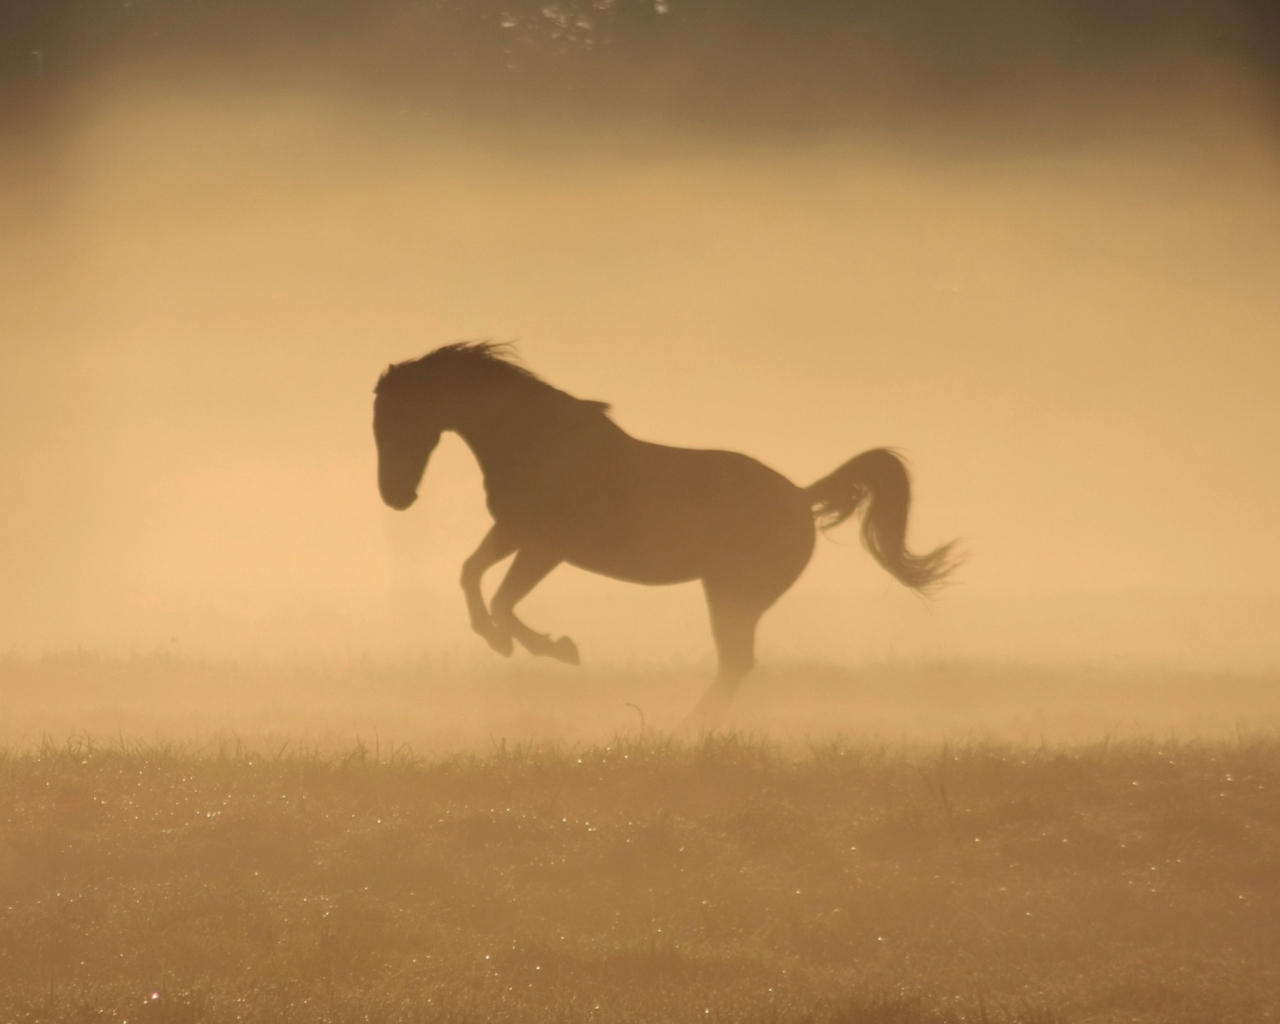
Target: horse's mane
pixel 466 358
pixel 475 361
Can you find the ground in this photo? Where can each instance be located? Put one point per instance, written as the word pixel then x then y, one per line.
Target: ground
pixel 725 878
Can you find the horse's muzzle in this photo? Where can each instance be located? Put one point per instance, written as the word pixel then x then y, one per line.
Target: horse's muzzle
pixel 399 502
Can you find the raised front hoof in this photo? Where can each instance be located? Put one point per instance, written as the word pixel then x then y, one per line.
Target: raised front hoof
pixel 565 650
pixel 500 642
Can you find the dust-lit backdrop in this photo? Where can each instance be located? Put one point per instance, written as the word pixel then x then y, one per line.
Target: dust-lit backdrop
pixel 1037 246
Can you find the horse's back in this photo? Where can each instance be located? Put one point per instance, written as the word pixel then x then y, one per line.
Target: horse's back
pixel 727 486
pixel 671 514
pixel 741 506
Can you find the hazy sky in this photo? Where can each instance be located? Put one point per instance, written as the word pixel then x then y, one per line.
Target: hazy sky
pixel 1072 333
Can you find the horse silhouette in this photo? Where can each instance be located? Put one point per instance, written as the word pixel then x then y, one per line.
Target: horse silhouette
pixel 564 483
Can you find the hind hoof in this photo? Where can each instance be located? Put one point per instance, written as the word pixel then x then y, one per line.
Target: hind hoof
pixel 565 650
pixel 707 715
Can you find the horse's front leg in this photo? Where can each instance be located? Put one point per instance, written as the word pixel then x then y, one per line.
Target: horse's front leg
pixel 528 570
pixel 496 546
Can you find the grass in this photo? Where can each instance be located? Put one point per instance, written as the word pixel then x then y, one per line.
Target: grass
pixel 644 879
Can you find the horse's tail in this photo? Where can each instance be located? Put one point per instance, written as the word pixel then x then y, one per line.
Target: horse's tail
pixel 880 475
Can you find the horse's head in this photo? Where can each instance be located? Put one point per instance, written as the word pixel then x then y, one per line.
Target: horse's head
pixel 418 400
pixel 407 424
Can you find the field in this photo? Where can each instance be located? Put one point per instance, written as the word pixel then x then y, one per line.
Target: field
pixel 639 877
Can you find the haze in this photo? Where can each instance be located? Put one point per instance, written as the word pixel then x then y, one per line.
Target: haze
pixel 1061 302
pixel 256 767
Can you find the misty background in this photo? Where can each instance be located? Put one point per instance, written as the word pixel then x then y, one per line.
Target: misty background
pixel 1034 245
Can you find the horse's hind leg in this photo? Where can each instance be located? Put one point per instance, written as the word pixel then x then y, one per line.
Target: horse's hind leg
pixel 733 626
pixel 752 571
pixel 530 568
pixel 493 549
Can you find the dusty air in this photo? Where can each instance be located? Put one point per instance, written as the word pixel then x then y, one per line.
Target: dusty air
pixel 614 510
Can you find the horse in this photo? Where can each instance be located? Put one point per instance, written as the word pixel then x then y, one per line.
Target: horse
pixel 564 483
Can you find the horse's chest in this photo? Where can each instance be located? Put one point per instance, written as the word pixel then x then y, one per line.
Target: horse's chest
pixel 555 500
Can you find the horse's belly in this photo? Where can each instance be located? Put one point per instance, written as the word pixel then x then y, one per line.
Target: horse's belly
pixel 637 568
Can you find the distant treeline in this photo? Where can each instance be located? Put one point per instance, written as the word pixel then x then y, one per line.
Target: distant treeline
pixel 768 61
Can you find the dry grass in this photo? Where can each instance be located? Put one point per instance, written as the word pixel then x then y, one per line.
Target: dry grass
pixel 644 879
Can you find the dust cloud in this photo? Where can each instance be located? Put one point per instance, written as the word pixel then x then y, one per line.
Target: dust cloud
pixel 1047 272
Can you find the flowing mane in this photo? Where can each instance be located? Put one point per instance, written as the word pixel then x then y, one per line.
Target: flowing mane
pixel 468 360
pixel 485 362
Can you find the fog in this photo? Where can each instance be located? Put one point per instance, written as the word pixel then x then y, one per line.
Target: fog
pixel 256 766
pixel 1058 295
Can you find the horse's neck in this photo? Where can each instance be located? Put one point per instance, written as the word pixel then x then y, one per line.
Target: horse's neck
pixel 499 432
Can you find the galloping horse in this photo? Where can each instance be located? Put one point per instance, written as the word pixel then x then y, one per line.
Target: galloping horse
pixel 566 484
